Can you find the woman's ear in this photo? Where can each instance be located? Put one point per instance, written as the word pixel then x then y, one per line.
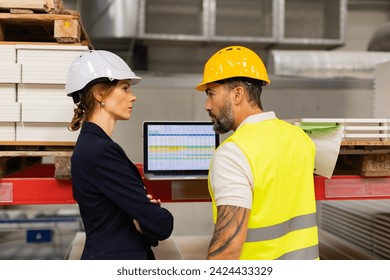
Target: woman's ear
pixel 98 96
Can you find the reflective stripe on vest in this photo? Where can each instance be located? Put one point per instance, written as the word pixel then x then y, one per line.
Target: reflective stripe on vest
pixel 305 253
pixel 276 231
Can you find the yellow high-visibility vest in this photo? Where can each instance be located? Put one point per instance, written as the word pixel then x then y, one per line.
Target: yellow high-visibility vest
pixel 282 223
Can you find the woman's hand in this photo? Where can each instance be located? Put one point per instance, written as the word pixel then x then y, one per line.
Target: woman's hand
pixel 153 200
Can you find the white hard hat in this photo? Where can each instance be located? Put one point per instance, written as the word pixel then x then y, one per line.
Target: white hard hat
pixel 96 65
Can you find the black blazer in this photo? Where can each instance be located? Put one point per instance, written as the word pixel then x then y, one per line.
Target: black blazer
pixel 110 193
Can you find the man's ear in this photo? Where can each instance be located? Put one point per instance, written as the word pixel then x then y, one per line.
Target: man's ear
pixel 238 95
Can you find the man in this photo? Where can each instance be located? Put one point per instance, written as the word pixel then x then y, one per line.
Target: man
pixel 261 177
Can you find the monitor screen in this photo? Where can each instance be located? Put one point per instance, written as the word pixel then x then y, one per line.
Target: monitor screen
pixel 175 146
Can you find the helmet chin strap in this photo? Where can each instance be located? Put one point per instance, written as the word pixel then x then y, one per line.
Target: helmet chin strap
pixel 77 96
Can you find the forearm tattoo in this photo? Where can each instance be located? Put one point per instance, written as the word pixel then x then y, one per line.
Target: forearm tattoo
pixel 230 222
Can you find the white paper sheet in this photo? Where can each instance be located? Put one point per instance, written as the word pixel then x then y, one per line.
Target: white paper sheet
pixel 327 140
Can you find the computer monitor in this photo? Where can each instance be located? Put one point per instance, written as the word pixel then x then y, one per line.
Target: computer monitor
pixel 178 150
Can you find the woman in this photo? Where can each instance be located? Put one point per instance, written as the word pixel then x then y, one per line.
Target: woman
pixel 121 220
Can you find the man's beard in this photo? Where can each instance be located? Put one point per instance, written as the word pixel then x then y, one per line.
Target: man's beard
pixel 224 122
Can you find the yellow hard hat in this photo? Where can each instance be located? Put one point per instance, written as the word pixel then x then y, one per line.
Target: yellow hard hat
pixel 233 61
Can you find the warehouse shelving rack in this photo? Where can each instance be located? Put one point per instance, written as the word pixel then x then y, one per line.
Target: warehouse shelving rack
pixel 362 170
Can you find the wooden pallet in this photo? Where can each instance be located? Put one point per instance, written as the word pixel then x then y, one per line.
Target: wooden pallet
pixel 32 5
pixel 364 158
pixel 48 28
pixel 18 156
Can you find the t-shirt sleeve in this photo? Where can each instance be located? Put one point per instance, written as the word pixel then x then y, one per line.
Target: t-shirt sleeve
pixel 231 177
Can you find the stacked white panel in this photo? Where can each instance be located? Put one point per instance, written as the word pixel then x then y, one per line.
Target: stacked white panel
pixel 9 112
pixel 8 53
pixel 7 93
pixel 43 102
pixel 367 129
pixel 9 115
pixel 46 111
pixel 10 72
pixel 42 132
pixel 354 129
pixel 45 64
pixel 38 93
pixel 7 131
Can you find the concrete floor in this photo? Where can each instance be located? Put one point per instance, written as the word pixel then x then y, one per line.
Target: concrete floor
pixel 69 245
pixel 13 246
pixel 189 247
pixel 174 248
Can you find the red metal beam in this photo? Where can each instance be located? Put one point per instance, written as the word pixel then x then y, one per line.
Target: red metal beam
pixel 351 187
pixel 19 191
pixel 47 190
